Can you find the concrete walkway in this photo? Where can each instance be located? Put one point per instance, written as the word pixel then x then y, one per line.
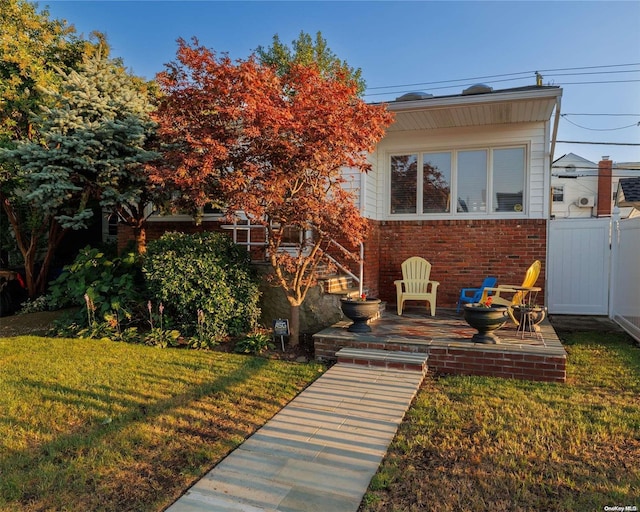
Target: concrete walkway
pixel 319 453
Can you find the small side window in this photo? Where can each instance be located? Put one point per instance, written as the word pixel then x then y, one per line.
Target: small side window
pixel 557 194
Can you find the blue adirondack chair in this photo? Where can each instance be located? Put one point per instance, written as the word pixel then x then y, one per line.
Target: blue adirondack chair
pixel 471 295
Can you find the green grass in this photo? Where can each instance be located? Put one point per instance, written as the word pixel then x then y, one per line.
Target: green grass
pixel 475 444
pixel 93 425
pixel 96 425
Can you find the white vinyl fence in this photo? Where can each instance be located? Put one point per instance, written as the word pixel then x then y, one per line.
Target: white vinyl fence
pixel 625 275
pixel 593 268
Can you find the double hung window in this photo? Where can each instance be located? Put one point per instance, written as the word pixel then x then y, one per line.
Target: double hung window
pixel 458 182
pixel 426 189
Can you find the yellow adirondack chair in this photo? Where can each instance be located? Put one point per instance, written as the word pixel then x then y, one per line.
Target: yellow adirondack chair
pixel 415 283
pixel 506 295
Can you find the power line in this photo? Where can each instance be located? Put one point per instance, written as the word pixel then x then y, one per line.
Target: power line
pixel 601 129
pixel 437 88
pixel 602 82
pixel 532 72
pixel 595 73
pixel 496 81
pixel 455 80
pixel 612 115
pixel 591 168
pixel 598 143
pixel 590 67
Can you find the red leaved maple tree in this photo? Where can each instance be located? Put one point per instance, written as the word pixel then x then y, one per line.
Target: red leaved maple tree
pixel 273 147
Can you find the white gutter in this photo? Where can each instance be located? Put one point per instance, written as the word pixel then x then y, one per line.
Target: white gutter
pixel 471 99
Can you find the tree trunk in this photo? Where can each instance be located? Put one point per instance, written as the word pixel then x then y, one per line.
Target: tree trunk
pixel 141 239
pixel 29 268
pixel 36 285
pixel 56 234
pixel 294 327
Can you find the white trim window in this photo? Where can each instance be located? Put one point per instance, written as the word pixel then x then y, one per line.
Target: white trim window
pixel 484 181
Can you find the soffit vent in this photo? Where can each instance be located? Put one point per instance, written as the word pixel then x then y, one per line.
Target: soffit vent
pixel 411 96
pixel 477 89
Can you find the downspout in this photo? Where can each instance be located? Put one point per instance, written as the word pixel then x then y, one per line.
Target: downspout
pixel 552 149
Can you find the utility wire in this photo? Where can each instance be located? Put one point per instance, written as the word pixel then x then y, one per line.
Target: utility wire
pixel 441 87
pixel 497 81
pixel 601 129
pixel 591 168
pixel 598 143
pixel 612 115
pixel 589 67
pixel 595 73
pixel 602 82
pixel 527 73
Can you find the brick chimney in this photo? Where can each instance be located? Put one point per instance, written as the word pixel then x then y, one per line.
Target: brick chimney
pixel 604 187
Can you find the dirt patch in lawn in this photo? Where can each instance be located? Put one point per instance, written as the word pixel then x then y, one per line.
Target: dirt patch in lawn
pixel 29 324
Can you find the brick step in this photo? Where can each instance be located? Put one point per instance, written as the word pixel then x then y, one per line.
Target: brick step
pixel 391 359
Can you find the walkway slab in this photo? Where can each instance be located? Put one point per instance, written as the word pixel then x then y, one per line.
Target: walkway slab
pixel 319 453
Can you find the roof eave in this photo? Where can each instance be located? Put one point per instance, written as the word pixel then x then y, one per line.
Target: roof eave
pixel 475 99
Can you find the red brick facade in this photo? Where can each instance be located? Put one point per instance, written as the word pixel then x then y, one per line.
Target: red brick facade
pixel 461 252
pixel 156 229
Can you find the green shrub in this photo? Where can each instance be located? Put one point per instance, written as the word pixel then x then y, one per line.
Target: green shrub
pixel 34 306
pixel 203 272
pixel 160 334
pixel 202 338
pixel 162 337
pixel 110 284
pixel 255 343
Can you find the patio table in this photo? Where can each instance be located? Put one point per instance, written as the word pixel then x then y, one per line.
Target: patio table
pixel 527 308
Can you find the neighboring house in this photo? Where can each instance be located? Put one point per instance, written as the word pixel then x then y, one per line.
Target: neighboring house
pixel 462 180
pixel 577 191
pixel 628 195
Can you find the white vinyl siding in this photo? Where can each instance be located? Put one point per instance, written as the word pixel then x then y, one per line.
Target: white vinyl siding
pixel 531 136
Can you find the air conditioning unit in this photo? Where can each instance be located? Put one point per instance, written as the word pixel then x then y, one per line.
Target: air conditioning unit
pixel 585 201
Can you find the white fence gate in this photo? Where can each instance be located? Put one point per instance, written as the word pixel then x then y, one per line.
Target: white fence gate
pixel 578 266
pixel 625 275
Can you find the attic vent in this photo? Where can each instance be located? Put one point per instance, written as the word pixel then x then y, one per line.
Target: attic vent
pixel 477 89
pixel 411 96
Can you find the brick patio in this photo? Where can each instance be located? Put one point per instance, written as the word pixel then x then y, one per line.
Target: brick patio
pixel 446 340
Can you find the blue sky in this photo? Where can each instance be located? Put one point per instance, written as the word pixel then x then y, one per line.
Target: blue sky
pixel 417 42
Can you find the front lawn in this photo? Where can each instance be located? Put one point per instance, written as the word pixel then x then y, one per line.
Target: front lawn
pixel 93 425
pixel 97 425
pixel 476 444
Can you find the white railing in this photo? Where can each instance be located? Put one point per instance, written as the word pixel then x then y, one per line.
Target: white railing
pixel 357 279
pixel 625 275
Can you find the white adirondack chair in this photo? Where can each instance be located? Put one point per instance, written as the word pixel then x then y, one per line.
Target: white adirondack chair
pixel 415 284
